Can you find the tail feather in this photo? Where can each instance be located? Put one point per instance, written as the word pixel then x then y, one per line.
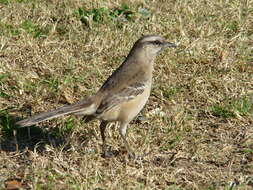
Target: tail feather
pixel 86 106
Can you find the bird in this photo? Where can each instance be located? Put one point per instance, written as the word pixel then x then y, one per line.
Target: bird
pixel 121 97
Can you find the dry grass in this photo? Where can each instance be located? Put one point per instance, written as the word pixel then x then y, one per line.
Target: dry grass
pixel 200 115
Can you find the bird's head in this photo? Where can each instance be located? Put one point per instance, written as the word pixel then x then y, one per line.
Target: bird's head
pixel 152 44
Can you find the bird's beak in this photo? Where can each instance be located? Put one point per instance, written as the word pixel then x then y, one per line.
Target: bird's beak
pixel 169 44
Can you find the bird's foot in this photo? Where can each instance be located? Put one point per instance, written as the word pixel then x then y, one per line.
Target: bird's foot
pixel 108 152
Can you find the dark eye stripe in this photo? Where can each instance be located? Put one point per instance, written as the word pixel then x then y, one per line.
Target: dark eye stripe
pixel 156 42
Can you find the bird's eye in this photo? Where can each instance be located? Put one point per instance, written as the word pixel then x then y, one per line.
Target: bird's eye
pixel 157 42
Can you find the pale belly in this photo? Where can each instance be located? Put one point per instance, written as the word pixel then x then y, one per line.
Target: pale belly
pixel 126 111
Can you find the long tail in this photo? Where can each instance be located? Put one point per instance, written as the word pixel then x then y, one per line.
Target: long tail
pixel 86 107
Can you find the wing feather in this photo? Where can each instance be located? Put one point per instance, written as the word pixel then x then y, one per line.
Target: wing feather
pixel 126 94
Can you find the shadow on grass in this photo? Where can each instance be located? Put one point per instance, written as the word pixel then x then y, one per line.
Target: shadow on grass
pixel 13 138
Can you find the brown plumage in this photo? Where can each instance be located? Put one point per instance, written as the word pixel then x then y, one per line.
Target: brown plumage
pixel 123 94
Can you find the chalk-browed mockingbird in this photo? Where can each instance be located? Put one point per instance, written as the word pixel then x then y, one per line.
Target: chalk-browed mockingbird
pixel 123 94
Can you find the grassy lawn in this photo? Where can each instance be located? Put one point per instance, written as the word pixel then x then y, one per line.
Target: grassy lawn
pixel 199 129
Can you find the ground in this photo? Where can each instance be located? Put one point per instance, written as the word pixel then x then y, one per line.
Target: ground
pixel 197 131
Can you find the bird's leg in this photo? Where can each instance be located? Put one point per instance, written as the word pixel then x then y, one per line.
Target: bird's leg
pixel 122 131
pixel 104 147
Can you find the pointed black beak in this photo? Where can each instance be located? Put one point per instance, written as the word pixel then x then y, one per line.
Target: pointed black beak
pixel 169 44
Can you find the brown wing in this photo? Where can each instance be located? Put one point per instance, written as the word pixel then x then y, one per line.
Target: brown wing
pixel 126 94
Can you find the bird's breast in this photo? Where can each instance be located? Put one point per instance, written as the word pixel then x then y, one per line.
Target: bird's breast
pixel 130 109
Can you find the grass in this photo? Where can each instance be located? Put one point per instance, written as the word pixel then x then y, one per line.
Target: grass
pixel 100 15
pixel 198 132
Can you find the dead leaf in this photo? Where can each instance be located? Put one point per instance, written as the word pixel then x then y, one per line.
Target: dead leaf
pixel 13 184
